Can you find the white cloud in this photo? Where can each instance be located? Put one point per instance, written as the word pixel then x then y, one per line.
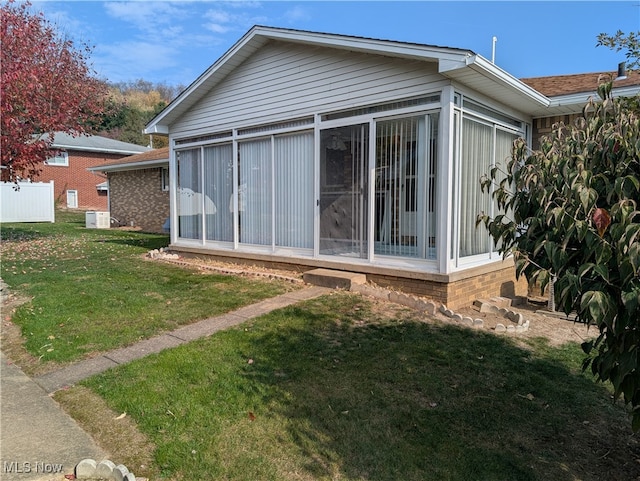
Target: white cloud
pixel 236 17
pixel 132 60
pixel 297 14
pixel 147 16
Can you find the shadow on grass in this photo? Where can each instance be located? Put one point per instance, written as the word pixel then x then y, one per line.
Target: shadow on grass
pixel 147 240
pixel 414 401
pixel 329 389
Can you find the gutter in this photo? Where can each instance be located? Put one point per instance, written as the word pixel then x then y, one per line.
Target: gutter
pixel 130 166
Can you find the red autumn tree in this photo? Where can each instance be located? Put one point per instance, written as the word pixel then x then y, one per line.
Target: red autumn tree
pixel 46 87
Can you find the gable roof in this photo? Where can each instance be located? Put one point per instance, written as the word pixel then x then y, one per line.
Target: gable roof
pixel 463 66
pixel 95 143
pixel 146 160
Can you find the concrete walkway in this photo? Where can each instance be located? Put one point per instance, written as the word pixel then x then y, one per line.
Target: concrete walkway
pixel 38 440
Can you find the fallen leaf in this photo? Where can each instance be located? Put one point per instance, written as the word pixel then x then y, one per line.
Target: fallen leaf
pixel 121 416
pixel 252 417
pixel 250 361
pixel 530 397
pixel 70 476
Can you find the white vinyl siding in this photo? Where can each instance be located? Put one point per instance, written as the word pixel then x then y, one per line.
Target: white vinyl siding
pixel 286 81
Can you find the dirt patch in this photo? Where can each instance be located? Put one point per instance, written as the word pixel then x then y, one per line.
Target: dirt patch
pixel 116 433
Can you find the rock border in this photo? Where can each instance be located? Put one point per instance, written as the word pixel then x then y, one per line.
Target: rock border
pixel 105 470
pixel 520 324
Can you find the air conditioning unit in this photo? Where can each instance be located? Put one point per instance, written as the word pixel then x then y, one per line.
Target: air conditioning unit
pixel 97 220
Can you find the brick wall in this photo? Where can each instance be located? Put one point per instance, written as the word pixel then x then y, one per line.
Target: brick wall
pixel 76 177
pixel 137 196
pixel 542 126
pixel 459 292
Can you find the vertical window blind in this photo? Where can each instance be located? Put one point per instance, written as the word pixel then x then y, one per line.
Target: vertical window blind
pixel 189 195
pixel 218 189
pixel 294 193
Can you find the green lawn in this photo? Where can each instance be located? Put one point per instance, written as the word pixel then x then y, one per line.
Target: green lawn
pixel 330 390
pixel 93 290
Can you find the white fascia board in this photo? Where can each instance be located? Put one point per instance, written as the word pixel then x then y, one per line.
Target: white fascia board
pixel 488 69
pixel 583 97
pixel 130 166
pixel 95 149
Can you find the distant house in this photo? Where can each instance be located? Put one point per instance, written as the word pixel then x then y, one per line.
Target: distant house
pixel 75 186
pixel 318 150
pixel 139 189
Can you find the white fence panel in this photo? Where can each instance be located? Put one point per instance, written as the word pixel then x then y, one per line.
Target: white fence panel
pixel 33 202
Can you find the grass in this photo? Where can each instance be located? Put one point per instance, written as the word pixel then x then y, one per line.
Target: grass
pixel 331 389
pixel 339 388
pixel 92 290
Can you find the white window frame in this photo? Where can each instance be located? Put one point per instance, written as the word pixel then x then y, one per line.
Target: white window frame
pixel 164 179
pixel 61 159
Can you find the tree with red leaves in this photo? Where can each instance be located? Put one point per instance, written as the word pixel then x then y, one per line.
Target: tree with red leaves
pixel 46 87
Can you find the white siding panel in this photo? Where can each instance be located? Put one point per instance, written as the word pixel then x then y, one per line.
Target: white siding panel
pixel 283 81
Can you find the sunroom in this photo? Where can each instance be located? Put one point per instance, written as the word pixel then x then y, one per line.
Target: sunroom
pixel 316 150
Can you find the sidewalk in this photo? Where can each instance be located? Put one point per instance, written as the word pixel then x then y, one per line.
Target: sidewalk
pixel 38 440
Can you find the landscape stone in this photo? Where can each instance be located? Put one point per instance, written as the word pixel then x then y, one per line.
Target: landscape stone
pixel 519 319
pixel 478 323
pixel 129 477
pixel 511 328
pixel 443 308
pixel 503 311
pixel 501 328
pixel 448 313
pixel 467 321
pixel 119 472
pixel 519 328
pixel 457 317
pixel 104 470
pixel 85 469
pixel 489 308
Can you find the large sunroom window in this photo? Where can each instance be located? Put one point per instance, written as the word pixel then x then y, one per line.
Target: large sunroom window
pixel 405 187
pixel 484 145
pixel 189 194
pixel 271 202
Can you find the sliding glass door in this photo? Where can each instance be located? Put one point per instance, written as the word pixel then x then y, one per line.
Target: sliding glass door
pixel 344 170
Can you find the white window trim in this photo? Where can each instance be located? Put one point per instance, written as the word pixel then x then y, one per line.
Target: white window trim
pixel 59 160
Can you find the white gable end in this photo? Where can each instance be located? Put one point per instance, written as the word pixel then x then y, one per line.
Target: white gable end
pixel 285 80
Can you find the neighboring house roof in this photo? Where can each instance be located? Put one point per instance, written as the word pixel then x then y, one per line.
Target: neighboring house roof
pixel 152 158
pixel 570 93
pixel 462 66
pixel 95 143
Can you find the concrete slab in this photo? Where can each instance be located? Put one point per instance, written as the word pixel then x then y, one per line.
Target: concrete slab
pixel 39 440
pixel 143 348
pixel 333 279
pixel 70 375
pixel 207 327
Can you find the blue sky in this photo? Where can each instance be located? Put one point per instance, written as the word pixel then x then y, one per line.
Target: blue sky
pixel 174 42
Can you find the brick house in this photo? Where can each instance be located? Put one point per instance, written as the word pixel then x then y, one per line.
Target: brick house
pixel 75 186
pixel 139 189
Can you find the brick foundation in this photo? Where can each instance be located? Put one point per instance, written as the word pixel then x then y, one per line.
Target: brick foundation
pixel 456 290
